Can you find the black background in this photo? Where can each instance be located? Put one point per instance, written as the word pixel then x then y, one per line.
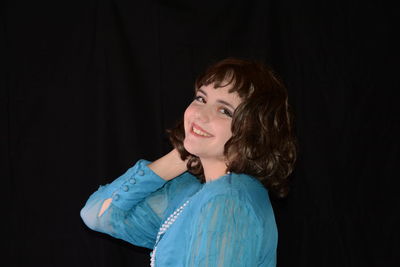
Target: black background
pixel 89 87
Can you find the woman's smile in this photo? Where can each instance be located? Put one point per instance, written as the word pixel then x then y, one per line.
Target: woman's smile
pixel 198 131
pixel 208 121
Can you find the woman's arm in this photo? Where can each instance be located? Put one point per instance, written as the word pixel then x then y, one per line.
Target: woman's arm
pixel 225 233
pixel 131 207
pixel 169 166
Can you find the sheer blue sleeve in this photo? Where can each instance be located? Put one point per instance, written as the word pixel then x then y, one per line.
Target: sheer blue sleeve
pixel 226 233
pixel 139 200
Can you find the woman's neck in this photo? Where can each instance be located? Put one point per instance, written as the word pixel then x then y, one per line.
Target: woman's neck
pixel 213 169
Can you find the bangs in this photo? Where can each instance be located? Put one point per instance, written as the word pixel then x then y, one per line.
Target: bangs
pixel 263 143
pixel 228 74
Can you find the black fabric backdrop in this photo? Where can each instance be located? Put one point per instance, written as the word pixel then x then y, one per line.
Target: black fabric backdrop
pixel 89 87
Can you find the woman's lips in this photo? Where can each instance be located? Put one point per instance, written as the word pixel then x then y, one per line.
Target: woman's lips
pixel 198 131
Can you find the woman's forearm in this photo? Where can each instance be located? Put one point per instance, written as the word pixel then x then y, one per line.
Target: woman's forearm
pixel 169 166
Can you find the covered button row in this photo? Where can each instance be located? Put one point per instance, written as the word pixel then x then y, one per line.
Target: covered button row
pixel 126 187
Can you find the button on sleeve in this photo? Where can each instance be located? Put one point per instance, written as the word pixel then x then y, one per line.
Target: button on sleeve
pixel 125 188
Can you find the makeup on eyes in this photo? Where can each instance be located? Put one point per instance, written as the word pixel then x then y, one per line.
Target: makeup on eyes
pixel 229 110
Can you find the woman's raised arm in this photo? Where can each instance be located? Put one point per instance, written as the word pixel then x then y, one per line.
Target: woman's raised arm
pixel 169 166
pixel 132 206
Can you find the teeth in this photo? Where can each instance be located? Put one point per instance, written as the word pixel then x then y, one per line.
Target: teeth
pixel 197 131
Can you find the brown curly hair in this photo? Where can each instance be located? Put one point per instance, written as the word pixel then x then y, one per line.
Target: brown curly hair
pixel 263 144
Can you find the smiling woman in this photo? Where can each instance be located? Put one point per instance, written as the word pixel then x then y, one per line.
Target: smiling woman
pixel 261 136
pixel 207 123
pixel 206 202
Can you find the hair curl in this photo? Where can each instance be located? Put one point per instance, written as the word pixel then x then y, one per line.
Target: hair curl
pixel 263 144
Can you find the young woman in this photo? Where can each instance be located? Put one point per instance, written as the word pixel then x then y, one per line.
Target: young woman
pixel 206 202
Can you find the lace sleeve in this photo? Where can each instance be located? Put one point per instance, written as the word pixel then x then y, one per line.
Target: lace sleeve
pixel 226 233
pixel 139 201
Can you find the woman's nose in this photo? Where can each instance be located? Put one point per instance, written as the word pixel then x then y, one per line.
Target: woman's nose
pixel 204 114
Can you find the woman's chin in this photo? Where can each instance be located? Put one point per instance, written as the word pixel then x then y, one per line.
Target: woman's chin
pixel 190 149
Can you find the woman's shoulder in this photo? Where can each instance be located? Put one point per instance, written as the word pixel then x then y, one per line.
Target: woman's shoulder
pixel 233 183
pixel 247 190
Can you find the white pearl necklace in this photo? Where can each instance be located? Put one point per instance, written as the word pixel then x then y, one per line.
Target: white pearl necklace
pixel 164 227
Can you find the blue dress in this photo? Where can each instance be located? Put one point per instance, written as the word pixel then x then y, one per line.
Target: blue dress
pixel 227 222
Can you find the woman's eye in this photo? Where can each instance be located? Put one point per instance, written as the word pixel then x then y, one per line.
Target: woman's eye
pixel 226 112
pixel 199 98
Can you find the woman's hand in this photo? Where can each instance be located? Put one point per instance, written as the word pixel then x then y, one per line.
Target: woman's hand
pixel 169 166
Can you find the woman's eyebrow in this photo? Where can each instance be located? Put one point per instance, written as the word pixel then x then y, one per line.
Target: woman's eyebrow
pixel 202 91
pixel 218 100
pixel 226 104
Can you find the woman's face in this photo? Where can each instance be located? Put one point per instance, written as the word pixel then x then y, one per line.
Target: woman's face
pixel 207 121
